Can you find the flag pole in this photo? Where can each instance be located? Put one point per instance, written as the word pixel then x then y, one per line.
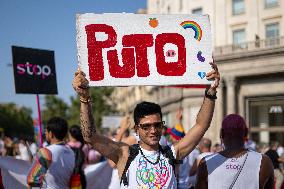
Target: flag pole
pixel 39 119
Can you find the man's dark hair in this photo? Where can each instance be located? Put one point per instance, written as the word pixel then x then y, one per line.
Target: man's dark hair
pixel 273 144
pixel 58 127
pixel 75 132
pixel 146 108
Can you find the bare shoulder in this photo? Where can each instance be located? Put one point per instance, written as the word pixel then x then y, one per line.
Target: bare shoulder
pixel 202 175
pixel 266 173
pixel 266 163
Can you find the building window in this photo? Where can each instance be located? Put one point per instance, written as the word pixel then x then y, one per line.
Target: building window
pixel 272 34
pixel 270 3
pixel 272 30
pixel 266 119
pixel 239 37
pixel 197 11
pixel 238 7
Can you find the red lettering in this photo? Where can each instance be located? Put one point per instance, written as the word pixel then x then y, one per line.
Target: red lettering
pixel 140 42
pixel 95 57
pixel 128 68
pixel 174 68
pixel 134 53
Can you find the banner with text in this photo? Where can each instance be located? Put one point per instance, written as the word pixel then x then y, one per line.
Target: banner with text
pixel 119 49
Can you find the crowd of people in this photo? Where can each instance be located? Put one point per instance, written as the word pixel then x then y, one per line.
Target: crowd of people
pixel 148 154
pixel 26 149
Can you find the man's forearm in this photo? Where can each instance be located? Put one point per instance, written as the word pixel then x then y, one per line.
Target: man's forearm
pixel 205 114
pixel 87 121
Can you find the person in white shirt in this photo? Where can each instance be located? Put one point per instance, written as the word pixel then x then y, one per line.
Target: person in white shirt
pixel 2 148
pixel 53 165
pixel 151 167
pixel 235 167
pixel 205 150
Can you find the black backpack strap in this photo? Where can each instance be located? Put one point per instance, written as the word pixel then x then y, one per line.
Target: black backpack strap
pixel 133 152
pixel 167 152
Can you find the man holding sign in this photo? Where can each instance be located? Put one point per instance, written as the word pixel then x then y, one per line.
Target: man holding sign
pixel 172 61
pixel 150 167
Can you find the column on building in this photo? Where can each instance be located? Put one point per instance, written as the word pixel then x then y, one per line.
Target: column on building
pixel 231 94
pixel 219 111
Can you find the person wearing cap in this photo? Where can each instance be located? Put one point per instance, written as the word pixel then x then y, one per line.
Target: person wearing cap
pixel 235 167
pixel 176 133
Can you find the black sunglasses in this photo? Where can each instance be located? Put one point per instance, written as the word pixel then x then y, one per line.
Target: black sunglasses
pixel 157 125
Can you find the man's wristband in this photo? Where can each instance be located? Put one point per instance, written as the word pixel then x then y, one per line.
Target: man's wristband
pixel 86 101
pixel 210 96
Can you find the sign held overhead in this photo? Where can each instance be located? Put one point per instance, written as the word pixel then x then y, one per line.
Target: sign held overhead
pixel 34 71
pixel 134 49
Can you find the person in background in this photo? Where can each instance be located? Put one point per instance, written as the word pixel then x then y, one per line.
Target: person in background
pixel 24 153
pixel 76 141
pixel 217 148
pixel 276 160
pixel 191 160
pixel 176 134
pixel 77 144
pixel 164 139
pixel 235 167
pixel 9 146
pixel 250 144
pixel 32 146
pixel 53 165
pixel 205 150
pixel 2 146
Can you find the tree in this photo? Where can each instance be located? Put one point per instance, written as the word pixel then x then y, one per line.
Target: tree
pixel 74 111
pixel 102 105
pixel 54 106
pixel 16 121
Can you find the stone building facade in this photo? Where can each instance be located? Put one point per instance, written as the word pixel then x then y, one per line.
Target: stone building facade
pixel 248 39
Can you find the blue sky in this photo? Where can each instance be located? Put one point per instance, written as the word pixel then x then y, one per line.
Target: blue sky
pixel 48 25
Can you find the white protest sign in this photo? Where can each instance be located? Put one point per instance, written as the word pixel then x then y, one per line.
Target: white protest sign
pixel 135 49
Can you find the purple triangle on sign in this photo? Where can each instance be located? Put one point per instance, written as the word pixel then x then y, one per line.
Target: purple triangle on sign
pixel 201 74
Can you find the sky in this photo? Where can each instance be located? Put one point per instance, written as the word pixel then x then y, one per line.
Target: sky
pixel 47 25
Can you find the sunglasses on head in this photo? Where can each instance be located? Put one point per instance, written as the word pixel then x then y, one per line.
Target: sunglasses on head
pixel 157 125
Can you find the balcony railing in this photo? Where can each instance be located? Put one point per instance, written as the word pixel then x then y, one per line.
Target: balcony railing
pixel 249 46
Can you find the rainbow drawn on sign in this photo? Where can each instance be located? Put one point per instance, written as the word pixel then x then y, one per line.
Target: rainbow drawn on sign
pixel 196 28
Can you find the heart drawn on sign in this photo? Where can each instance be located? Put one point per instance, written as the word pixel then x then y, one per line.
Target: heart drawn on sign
pixel 201 74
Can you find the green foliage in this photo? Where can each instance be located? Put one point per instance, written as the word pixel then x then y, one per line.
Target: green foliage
pixel 54 106
pixel 101 97
pixel 16 121
pixel 74 111
pixel 102 104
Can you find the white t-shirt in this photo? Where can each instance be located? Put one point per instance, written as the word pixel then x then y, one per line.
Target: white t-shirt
pixel 24 154
pixel 1 146
pixel 33 148
pixel 202 155
pixel 185 180
pixel 143 175
pixel 62 166
pixel 222 171
pixel 115 181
